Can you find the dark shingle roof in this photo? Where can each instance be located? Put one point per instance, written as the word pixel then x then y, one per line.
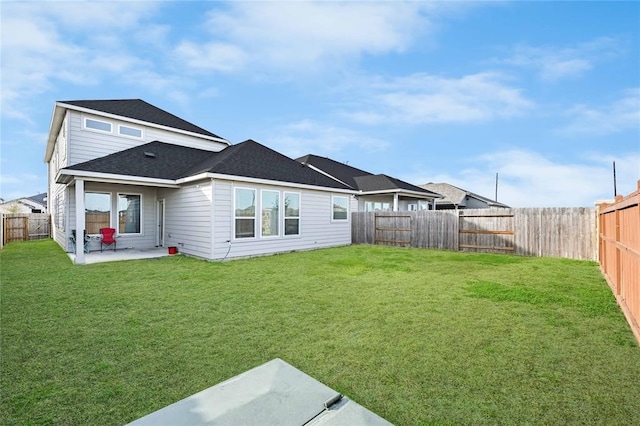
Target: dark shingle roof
pixel 360 179
pixel 138 109
pixel 246 159
pixel 168 161
pixel 340 171
pixel 384 182
pixel 39 198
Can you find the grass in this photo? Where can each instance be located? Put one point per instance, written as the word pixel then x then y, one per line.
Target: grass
pixel 417 336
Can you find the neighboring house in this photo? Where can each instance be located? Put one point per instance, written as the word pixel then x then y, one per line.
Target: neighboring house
pixel 375 192
pixel 162 181
pixel 34 204
pixel 458 198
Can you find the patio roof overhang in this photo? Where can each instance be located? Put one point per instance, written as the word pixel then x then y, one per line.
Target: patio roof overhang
pixel 402 193
pixel 67 176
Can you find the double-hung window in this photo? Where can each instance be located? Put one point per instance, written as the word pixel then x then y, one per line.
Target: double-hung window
pixel 97 211
pixel 129 209
pixel 291 213
pixel 270 217
pixel 245 213
pixel 340 206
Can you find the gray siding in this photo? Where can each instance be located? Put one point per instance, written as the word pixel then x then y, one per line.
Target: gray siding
pixel 57 194
pixel 147 237
pixel 316 227
pixel 188 218
pixel 85 145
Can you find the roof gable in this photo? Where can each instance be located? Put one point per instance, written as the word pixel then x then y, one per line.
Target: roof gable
pixel 138 109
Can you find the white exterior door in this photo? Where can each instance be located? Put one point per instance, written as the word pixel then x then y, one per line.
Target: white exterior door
pixel 160 224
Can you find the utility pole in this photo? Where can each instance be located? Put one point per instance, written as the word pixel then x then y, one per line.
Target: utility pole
pixel 615 189
pixel 496 198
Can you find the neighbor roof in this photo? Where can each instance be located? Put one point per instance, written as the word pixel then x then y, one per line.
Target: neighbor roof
pixel 39 198
pixel 161 160
pixel 454 195
pixel 138 109
pixel 360 179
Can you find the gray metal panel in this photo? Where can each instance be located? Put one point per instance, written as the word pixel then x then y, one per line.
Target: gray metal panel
pixel 274 393
pixel 348 413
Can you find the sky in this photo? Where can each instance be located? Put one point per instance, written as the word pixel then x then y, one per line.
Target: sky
pixel 544 94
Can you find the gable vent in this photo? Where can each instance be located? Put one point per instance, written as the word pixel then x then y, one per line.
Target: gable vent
pixel 149 154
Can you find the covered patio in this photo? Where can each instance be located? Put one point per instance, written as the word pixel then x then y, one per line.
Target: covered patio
pixel 121 254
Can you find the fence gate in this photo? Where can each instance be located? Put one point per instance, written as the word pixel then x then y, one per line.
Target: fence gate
pixel 16 228
pixel 491 232
pixel 394 230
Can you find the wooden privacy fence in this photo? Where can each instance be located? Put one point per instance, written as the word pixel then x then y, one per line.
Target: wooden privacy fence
pixel 552 232
pixel 619 254
pixel 22 227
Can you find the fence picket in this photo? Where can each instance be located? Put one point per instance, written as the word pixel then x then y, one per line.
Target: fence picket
pixel 553 232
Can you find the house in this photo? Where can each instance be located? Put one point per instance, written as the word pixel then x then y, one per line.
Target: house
pixel 375 192
pixel 34 204
pixel 458 198
pixel 162 181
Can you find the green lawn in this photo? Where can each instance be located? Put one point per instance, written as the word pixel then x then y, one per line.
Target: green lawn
pixel 417 336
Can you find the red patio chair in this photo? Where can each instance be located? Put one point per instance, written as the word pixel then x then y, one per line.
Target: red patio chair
pixel 107 238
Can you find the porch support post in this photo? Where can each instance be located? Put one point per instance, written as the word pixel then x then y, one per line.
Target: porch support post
pixel 395 202
pixel 80 223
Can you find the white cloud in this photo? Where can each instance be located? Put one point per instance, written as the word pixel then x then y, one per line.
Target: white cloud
pixel 554 63
pixel 619 116
pixel 210 56
pixel 311 137
pixel 423 98
pixel 311 36
pixel 40 47
pixel 530 179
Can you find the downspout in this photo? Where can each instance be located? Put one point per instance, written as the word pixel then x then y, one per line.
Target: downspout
pixel 395 202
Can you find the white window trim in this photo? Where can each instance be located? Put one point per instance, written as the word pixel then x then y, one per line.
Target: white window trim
pixel 120 126
pixel 262 191
pixel 117 220
pixel 333 197
pixel 90 129
pixel 284 215
pixel 255 219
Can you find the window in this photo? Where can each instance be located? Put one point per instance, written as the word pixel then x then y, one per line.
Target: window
pixel 130 132
pixel 101 126
pixel 129 213
pixel 378 206
pixel 97 211
pixel 245 213
pixel 291 213
pixel 270 216
pixel 340 207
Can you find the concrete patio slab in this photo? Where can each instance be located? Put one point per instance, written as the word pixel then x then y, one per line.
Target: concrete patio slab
pixel 121 254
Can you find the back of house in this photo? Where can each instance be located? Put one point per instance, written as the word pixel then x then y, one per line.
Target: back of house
pixel 160 180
